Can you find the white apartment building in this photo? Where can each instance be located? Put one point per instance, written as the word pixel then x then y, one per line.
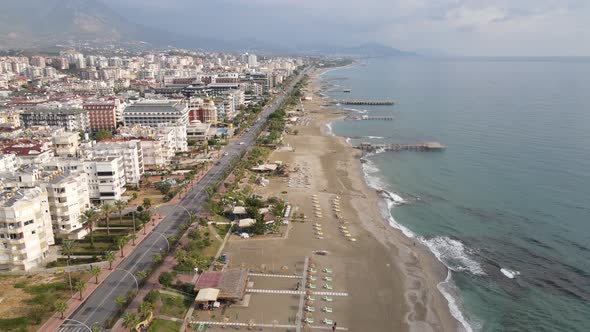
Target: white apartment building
pixel 106 178
pixel 153 153
pixel 176 134
pixel 25 228
pixel 198 132
pixel 67 194
pixel 65 144
pixel 130 151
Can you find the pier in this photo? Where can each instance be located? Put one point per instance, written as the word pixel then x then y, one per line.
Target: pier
pixel 362 102
pixel 370 118
pixel 421 146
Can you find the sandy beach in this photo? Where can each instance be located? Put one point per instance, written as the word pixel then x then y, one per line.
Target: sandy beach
pixel 390 283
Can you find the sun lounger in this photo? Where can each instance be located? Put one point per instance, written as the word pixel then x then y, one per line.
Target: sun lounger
pixel 328 321
pixel 327 278
pixel 310 298
pixel 326 270
pixel 310 320
pixel 311 286
pixel 309 309
pixel 327 299
pixel 328 287
pixel 312 278
pixel 327 309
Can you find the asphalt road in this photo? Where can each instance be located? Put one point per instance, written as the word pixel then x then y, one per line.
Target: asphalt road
pixel 100 306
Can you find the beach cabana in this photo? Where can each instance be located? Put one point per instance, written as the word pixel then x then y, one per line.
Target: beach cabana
pixel 207 297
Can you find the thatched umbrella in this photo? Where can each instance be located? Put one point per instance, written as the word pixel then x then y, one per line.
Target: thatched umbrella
pixel 309 303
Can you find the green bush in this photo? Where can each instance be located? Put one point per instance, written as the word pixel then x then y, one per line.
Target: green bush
pixel 165 279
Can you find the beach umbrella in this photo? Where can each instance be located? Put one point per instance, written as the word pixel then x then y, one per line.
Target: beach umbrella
pixel 308 292
pixel 309 303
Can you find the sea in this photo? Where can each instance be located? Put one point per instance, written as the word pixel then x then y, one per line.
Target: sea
pixel 506 207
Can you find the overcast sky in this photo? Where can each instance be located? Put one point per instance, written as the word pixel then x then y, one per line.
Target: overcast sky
pixel 459 27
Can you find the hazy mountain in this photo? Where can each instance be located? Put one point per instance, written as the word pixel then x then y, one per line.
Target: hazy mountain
pixel 41 24
pixel 38 23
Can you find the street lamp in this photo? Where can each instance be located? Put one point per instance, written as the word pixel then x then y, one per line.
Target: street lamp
pixel 165 238
pixel 131 274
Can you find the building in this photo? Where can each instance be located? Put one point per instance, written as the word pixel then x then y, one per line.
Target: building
pixel 202 110
pixel 67 196
pixel 25 228
pixel 29 153
pixel 198 132
pixel 103 114
pixel 65 144
pixel 175 134
pixel 153 112
pixel 252 60
pixel 154 155
pixel 8 163
pixel 69 119
pixel 106 179
pixel 130 151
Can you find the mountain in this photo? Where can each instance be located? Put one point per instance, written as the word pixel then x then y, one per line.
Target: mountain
pixel 39 23
pixel 364 50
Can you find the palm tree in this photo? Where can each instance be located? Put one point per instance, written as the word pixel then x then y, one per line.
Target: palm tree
pixel 109 256
pixel 95 328
pixel 120 205
pixel 79 287
pixel 61 307
pixel 133 236
pixel 145 308
pixel 141 275
pixel 121 241
pixel 107 210
pixel 95 271
pixel 157 258
pixel 120 301
pixel 67 248
pixel 130 320
pixel 147 203
pixel 88 218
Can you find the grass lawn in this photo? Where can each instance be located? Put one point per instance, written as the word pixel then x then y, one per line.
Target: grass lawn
pixel 162 325
pixel 174 306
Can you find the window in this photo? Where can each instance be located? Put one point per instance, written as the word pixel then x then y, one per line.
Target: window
pixel 28 222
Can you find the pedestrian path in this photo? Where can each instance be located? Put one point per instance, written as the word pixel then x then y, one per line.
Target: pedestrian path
pixel 293 292
pixel 294 276
pixel 280 326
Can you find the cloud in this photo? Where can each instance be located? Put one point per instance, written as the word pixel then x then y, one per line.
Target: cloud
pixel 544 27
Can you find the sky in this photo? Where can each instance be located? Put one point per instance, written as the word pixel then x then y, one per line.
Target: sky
pixel 453 27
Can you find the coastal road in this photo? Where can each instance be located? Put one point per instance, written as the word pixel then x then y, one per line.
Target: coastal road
pixel 100 306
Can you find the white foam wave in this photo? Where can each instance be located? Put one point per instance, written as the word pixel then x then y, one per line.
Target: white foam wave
pixel 454 254
pixel 374 137
pixel 329 129
pixel 447 289
pixel 509 273
pixel 356 110
pixel 347 140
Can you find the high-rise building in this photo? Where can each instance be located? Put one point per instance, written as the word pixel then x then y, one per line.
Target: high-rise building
pixel 25 228
pixel 153 112
pixel 38 61
pixel 252 60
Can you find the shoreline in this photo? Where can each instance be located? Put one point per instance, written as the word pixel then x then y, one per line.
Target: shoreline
pixel 435 273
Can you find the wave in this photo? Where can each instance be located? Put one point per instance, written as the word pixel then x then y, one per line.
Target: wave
pixel 450 252
pixel 454 254
pixel 356 110
pixel 509 273
pixel 449 292
pixel 329 129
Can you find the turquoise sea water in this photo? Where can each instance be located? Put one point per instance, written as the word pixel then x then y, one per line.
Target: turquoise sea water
pixel 507 206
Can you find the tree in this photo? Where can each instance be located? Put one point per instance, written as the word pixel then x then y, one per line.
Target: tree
pixel 103 134
pixel 157 258
pixel 145 308
pixel 109 256
pixel 107 210
pixel 133 236
pixel 130 320
pixel 165 279
pixel 88 218
pixel 61 307
pixel 95 271
pixel 67 248
pixel 95 328
pixel 147 203
pixel 120 301
pixel 141 275
pixel 79 287
pixel 120 205
pixel 121 244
